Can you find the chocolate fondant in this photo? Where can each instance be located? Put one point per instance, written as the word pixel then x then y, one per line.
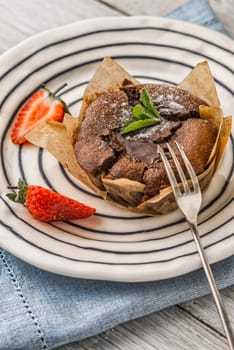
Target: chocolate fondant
pixel 102 150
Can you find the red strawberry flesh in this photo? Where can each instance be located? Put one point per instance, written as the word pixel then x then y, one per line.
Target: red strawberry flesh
pixel 46 205
pixel 41 106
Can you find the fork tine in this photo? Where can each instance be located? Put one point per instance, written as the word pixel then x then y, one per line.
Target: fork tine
pixel 189 167
pixel 179 169
pixel 170 173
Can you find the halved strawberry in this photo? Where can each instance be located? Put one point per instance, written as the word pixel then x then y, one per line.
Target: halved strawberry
pixel 46 205
pixel 42 105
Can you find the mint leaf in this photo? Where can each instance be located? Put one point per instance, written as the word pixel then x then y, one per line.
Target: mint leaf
pixel 138 124
pixel 145 114
pixel 140 112
pixel 147 102
pixel 145 99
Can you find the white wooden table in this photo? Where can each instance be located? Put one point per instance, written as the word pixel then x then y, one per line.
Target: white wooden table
pixel 192 325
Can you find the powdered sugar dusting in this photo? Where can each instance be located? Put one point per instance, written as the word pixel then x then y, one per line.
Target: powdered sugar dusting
pixel 167 101
pixel 158 99
pixel 172 106
pixel 125 115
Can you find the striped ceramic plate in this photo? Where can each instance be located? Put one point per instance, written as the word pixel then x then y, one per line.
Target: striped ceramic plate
pixel 114 244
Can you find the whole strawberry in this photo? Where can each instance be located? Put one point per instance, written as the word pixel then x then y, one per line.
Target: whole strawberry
pixel 46 205
pixel 42 105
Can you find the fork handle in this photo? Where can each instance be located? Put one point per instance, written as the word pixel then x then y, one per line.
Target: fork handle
pixel 215 292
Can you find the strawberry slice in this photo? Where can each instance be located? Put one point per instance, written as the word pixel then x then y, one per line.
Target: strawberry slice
pixel 42 105
pixel 46 205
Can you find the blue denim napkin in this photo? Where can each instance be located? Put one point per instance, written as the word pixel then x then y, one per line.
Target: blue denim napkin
pixel 40 310
pixel 198 12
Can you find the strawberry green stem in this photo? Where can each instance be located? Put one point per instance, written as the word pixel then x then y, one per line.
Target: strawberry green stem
pixel 21 192
pixel 54 95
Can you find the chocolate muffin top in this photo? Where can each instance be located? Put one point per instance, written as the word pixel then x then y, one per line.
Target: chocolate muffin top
pixel 102 149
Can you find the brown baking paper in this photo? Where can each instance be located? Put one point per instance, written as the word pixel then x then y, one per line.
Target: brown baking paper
pixel 59 138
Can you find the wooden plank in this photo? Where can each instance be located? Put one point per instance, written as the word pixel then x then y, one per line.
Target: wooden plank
pixel 205 310
pixel 172 328
pixel 94 343
pixel 224 9
pixel 18 20
pixel 146 7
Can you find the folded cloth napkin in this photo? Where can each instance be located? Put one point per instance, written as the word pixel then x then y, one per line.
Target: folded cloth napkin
pixel 199 12
pixel 41 310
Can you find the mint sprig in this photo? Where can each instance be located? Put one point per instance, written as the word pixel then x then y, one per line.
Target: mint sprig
pixel 147 102
pixel 144 114
pixel 138 124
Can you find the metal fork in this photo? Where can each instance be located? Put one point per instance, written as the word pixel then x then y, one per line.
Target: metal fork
pixel 189 202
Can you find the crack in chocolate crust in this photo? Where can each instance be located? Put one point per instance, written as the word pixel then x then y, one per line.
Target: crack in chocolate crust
pixel 101 150
pixel 132 92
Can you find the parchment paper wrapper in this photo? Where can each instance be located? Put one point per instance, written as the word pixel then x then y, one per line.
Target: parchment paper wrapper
pixel 59 138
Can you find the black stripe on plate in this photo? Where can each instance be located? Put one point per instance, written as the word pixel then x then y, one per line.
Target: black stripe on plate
pixel 111 31
pixel 139 243
pixel 144 231
pixel 110 251
pixel 87 63
pixel 106 46
pixel 109 263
